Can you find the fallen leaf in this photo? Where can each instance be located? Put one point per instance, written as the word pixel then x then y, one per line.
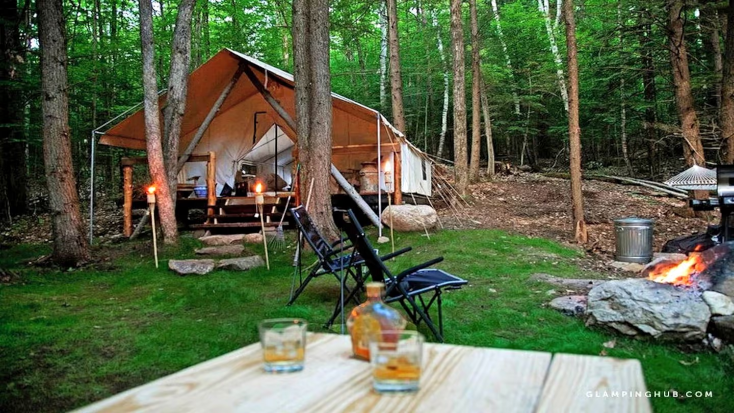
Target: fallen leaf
pixel 603 353
pixel 689 363
pixel 610 344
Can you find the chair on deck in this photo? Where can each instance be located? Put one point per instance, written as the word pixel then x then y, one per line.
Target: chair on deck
pixel 416 288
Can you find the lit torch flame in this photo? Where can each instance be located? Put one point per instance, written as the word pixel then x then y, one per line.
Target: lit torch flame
pixel 151 189
pixel 259 187
pixel 680 274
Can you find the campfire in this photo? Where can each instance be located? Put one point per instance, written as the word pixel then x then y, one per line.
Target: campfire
pixel 682 274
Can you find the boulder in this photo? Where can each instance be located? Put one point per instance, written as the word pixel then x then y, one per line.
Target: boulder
pixel 255 238
pixel 241 264
pixel 718 303
pixel 572 305
pixel 642 307
pixel 185 267
pixel 217 240
pixel 725 286
pixel 221 250
pixel 410 217
pixel 723 327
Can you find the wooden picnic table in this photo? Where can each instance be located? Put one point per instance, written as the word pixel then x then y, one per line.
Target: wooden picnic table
pixel 454 379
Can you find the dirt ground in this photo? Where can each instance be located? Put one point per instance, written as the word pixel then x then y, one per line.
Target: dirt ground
pixel 540 206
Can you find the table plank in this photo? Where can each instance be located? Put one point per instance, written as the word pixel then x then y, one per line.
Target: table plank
pixel 455 378
pixel 578 383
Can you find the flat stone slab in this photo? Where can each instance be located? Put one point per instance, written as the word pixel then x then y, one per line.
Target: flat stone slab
pixel 217 240
pixel 572 305
pixel 186 267
pixel 221 250
pixel 628 266
pixel 253 238
pixel 241 264
pixel 572 283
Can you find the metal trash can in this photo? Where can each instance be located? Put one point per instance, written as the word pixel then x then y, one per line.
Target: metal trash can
pixel 634 239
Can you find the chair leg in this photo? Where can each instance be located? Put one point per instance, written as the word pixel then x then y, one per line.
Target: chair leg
pixel 422 314
pixel 301 288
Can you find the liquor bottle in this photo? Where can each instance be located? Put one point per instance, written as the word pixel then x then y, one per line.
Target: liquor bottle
pixel 370 319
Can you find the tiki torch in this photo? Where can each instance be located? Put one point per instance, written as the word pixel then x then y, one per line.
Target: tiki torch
pixel 388 184
pixel 259 204
pixel 151 208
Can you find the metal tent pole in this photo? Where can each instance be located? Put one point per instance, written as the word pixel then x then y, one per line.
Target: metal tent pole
pixel 379 176
pixel 91 193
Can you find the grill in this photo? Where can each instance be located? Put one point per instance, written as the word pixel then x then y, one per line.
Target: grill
pixel 724 199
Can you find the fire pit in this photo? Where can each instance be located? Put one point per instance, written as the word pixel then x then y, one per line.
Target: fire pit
pixel 676 301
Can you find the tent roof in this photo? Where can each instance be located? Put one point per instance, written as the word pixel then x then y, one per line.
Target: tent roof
pixel 205 85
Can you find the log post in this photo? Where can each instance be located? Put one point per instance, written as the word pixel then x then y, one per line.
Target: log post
pixel 211 186
pixel 127 206
pixel 397 179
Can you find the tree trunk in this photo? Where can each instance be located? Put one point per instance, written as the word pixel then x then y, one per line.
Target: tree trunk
pixel 383 58
pixel 396 77
pixel 12 142
pixel 545 9
pixel 622 98
pixel 650 92
pixel 313 107
pixel 692 146
pixel 508 61
pixel 476 134
pixel 460 153
pixel 70 243
pixel 445 107
pixel 177 88
pixel 712 43
pixel 726 117
pixel 487 129
pixel 153 144
pixel 574 130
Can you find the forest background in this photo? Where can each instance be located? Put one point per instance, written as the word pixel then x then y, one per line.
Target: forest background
pixel 628 115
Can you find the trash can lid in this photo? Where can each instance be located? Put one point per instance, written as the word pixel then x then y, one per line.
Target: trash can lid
pixel 633 221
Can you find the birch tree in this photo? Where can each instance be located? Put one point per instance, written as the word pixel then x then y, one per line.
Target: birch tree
pixel 70 243
pixel 383 57
pixel 445 106
pixel 550 28
pixel 508 61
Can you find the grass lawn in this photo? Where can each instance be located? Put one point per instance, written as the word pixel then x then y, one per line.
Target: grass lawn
pixel 68 338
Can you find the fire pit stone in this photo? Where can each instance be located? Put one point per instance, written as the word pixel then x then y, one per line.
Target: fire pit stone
pixel 719 303
pixel 643 307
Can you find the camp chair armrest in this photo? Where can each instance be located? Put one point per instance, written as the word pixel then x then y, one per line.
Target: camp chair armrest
pixel 395 254
pixel 340 251
pixel 409 271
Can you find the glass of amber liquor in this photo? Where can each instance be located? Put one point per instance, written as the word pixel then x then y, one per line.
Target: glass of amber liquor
pixel 396 359
pixel 283 342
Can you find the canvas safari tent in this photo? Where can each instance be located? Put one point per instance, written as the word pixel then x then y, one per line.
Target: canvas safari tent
pixel 244 127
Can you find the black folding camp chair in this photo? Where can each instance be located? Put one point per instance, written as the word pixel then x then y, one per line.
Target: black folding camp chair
pixel 416 289
pixel 337 258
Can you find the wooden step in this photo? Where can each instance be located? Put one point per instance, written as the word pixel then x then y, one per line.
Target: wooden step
pixel 235 225
pixel 247 215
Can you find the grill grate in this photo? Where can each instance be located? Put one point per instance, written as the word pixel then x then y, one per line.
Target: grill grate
pixel 694 178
